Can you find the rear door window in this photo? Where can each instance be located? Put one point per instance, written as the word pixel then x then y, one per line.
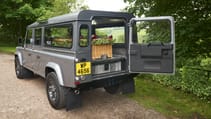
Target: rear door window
pixel 116 34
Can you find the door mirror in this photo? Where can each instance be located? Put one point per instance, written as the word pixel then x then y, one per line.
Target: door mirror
pixel 20 42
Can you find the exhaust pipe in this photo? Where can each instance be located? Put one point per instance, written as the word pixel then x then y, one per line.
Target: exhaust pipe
pixel 77 92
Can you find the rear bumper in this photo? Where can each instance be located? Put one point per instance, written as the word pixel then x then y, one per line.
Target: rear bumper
pixel 100 81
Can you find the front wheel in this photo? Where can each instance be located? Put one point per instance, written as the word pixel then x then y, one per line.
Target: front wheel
pixel 22 72
pixel 55 92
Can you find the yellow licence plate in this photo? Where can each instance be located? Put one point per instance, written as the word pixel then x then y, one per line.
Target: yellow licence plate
pixel 83 68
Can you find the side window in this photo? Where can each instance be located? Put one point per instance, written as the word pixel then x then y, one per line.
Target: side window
pixel 59 36
pixel 38 36
pixel 84 35
pixel 28 37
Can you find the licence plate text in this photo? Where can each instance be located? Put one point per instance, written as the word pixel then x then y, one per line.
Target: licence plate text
pixel 83 68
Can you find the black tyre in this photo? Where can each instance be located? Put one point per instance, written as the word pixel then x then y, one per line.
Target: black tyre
pixel 114 89
pixel 55 92
pixel 22 72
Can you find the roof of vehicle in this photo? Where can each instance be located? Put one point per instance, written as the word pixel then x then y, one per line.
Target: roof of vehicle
pixel 85 15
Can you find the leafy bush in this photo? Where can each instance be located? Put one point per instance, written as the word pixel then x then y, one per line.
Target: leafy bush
pixel 206 63
pixel 195 81
pixel 190 80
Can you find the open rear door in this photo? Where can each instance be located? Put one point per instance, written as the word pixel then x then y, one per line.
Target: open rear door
pixel 152 45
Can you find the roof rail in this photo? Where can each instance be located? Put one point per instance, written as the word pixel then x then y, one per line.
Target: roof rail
pixel 42 21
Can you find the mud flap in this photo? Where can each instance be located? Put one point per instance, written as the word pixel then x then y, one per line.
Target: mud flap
pixel 127 86
pixel 73 100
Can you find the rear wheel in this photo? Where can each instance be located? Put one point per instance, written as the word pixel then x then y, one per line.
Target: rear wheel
pixel 55 92
pixel 22 72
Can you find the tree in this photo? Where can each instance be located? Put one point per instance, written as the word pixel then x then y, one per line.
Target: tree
pixel 192 19
pixel 60 7
pixel 15 15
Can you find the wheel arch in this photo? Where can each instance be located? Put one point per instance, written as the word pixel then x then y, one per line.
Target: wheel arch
pixel 19 56
pixel 54 67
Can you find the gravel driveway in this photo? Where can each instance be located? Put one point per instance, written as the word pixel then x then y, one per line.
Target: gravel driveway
pixel 26 99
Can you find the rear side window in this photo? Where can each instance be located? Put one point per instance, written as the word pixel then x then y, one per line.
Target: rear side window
pixel 84 35
pixel 59 36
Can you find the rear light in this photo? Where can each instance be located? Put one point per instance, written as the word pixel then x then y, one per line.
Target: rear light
pixel 77 83
pixel 76 60
pixel 80 78
pixel 77 78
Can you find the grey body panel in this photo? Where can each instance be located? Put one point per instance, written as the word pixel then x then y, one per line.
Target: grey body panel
pixel 62 64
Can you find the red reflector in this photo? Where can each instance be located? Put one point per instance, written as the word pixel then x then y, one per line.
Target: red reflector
pixel 77 82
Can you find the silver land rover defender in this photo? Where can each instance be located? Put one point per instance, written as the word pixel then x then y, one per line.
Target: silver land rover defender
pixel 93 49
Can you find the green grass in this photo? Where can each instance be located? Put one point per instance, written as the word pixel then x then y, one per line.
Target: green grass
pixel 170 102
pixel 5 48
